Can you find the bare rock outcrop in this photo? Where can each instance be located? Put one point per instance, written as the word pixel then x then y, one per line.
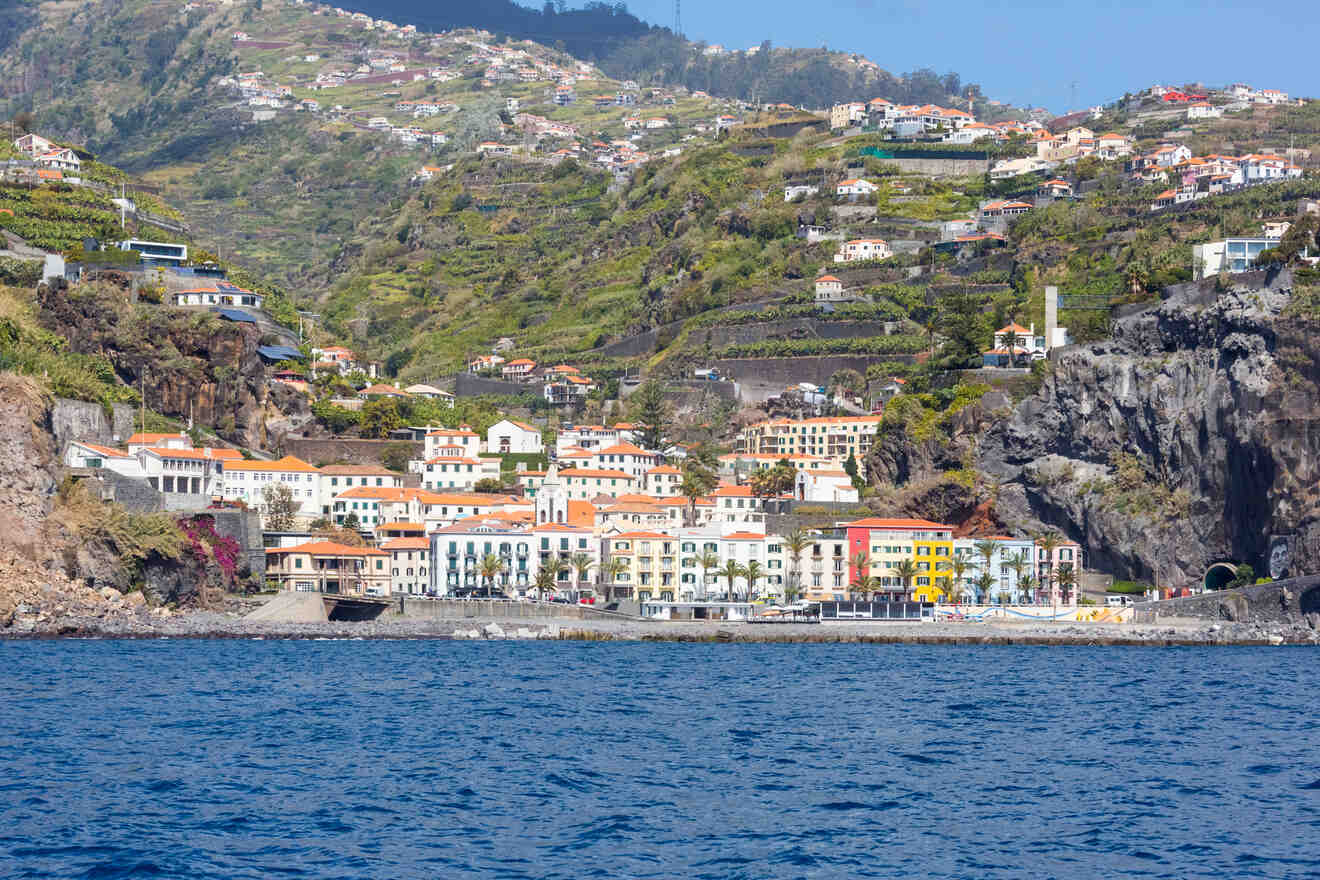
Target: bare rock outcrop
pixel 1187 439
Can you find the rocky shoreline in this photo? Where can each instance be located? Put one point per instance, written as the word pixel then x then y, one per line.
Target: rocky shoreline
pixel 114 623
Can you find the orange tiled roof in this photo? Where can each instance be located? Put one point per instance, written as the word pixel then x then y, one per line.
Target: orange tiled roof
pixel 287 464
pixel 407 544
pixel 876 522
pixel 328 548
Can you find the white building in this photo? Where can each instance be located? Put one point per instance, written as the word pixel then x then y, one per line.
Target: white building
pixel 247 481
pixel 1001 567
pixel 176 472
pixel 410 570
pixel 803 190
pixel 96 457
pixel 462 441
pixel 457 473
pixel 632 460
pixel 138 442
pixel 518 438
pixel 855 187
pixel 863 249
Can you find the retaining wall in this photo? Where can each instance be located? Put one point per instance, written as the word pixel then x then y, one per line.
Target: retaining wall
pixel 244 526
pixel 79 420
pixel 940 167
pixel 468 385
pixel 791 328
pixel 352 451
pixel 816 369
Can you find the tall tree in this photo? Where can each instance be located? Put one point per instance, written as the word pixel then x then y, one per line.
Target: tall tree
pixel 651 416
pixel 905 571
pixel 1067 578
pixel 774 481
pixel 490 568
pixel 609 572
pixel 963 326
pixel 731 572
pixel 379 418
pixel 582 563
pixel 280 506
pixel 698 481
pixel 795 542
pixel 753 572
pixel 709 560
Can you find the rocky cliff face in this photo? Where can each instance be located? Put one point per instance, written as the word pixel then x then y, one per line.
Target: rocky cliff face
pixel 1188 439
pixel 29 465
pixel 195 365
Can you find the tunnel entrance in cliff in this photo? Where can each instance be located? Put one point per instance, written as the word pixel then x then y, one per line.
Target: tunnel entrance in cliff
pixel 1310 601
pixel 1218 575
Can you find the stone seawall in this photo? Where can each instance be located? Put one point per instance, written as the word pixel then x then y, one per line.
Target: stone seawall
pixel 1288 601
pixel 486 609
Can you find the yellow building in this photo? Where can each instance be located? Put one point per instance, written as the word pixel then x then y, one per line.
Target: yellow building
pixel 886 543
pixel 652 566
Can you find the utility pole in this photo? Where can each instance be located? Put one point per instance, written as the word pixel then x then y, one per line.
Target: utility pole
pixel 678 18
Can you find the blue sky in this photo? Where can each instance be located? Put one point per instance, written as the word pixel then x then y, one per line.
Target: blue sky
pixel 1031 53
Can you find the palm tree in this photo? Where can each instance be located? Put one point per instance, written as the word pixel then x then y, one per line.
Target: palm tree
pixel 959 568
pixel 795 542
pixel 489 568
pixel 609 572
pixel 1067 580
pixel 862 582
pixel 709 561
pixel 954 592
pixel 583 564
pixel 1027 587
pixel 906 570
pixel 1048 542
pixel 986 550
pixel 985 582
pixel 554 566
pixel 731 572
pixel 545 579
pixel 1018 565
pixel 752 571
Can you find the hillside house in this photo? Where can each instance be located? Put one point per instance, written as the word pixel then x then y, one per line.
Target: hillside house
pixel 1014 346
pixel 518 370
pixel 59 158
pixel 509 437
pixel 1203 110
pixel 33 145
pixel 492 148
pixel 855 187
pixel 1055 189
pixel 1002 210
pixel 430 392
pixel 802 190
pixel 568 389
pixel 222 294
pixel 863 249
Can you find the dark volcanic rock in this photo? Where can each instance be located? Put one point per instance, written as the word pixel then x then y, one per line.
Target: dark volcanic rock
pixel 1210 400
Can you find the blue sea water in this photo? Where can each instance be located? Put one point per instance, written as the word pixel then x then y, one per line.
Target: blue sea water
pixel 403 759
